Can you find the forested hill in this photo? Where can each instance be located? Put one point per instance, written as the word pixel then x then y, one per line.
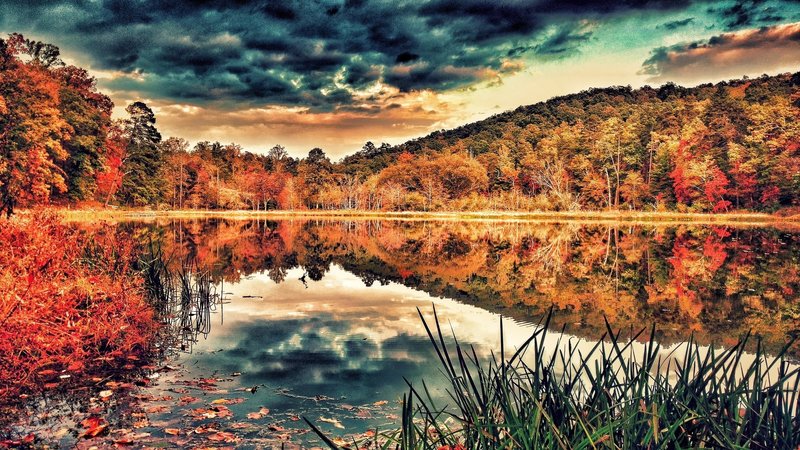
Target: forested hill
pixel 714 147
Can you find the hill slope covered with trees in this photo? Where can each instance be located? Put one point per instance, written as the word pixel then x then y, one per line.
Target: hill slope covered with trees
pixel 713 148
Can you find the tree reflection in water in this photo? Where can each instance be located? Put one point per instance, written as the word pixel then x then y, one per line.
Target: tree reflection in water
pixel 716 282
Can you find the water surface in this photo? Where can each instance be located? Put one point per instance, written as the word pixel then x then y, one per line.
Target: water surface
pixel 320 318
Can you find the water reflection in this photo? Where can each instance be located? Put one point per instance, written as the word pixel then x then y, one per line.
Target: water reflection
pixel 321 315
pixel 716 282
pixel 333 348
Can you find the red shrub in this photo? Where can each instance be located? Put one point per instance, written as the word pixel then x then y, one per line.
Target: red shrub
pixel 70 303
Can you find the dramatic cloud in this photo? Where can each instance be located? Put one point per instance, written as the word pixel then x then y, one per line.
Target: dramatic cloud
pixel 676 24
pixel 320 54
pixel 749 13
pixel 344 70
pixel 746 52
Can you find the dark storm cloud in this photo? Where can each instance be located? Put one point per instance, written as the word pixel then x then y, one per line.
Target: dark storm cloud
pixel 310 53
pixel 748 13
pixel 564 42
pixel 675 24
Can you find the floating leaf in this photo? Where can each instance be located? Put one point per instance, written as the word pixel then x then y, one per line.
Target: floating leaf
pixel 258 414
pixel 95 426
pixel 223 436
pixel 228 401
pixel 332 421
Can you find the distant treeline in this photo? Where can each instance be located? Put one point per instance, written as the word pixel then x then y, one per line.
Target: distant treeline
pixel 712 148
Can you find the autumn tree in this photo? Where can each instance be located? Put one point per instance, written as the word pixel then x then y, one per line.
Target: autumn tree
pixel 32 128
pixel 176 177
pixel 109 177
pixel 314 173
pixel 88 113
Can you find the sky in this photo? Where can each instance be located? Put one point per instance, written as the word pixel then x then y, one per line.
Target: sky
pixel 336 73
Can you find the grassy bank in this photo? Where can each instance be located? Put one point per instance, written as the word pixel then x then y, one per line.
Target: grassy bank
pixel 743 218
pixel 617 394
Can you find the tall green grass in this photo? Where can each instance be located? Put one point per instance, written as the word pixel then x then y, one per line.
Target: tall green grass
pixel 614 394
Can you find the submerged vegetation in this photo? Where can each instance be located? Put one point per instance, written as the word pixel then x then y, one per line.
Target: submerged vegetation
pixel 618 393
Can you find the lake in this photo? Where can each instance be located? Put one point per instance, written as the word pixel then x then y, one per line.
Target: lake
pixel 319 318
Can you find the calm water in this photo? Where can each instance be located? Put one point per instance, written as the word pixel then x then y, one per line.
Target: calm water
pixel 714 282
pixel 320 319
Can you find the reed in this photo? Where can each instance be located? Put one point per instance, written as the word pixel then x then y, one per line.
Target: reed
pixel 183 295
pixel 613 394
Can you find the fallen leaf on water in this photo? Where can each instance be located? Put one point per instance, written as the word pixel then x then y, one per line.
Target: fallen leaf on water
pixel 332 421
pixel 92 422
pixel 211 413
pixel 276 428
pixel 172 431
pixel 156 409
pixel 228 401
pixel 258 414
pixel 95 426
pixel 124 441
pixel 187 399
pixel 94 432
pixel 130 438
pixel 205 429
pixel 223 436
pixel 380 402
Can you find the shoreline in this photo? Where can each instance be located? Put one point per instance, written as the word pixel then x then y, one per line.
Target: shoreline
pixel 633 217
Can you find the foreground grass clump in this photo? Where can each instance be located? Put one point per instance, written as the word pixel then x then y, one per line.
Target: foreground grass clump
pixel 559 393
pixel 71 303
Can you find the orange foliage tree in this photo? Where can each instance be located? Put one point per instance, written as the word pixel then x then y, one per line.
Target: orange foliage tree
pixel 31 129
